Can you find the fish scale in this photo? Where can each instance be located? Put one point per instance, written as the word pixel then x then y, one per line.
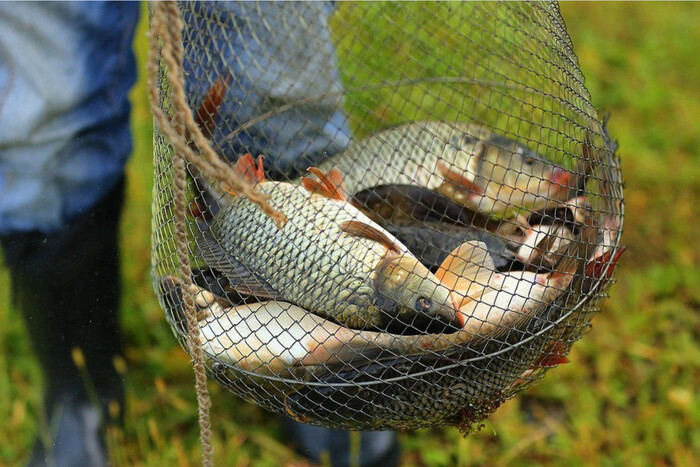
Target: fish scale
pixel 310 255
pixel 407 154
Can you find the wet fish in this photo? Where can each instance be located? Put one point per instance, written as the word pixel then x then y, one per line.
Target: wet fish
pixel 551 232
pixel 456 379
pixel 470 164
pixel 431 243
pixel 269 337
pixel 430 224
pixel 412 204
pixel 329 258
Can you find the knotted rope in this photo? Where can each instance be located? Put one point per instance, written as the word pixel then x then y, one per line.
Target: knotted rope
pixel 166 35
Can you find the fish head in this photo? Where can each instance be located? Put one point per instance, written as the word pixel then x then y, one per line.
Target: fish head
pixel 411 293
pixel 521 177
pixel 498 176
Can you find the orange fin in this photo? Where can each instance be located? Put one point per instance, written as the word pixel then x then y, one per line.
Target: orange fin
pixel 553 356
pixel 360 229
pixel 460 181
pixel 209 110
pixel 336 178
pixel 329 185
pixel 248 168
pixel 596 267
pixel 467 268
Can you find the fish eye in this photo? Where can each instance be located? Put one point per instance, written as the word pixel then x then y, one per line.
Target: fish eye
pixel 529 160
pixel 423 304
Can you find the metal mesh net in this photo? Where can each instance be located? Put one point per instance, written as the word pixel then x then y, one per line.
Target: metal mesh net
pixel 455 240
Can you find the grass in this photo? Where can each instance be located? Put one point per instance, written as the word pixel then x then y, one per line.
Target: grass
pixel 629 397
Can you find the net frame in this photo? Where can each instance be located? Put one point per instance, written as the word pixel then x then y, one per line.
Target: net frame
pixel 490 371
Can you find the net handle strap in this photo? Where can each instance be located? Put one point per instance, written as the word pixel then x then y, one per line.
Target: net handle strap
pixel 166 49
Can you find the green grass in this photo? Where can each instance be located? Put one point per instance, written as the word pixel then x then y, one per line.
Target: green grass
pixel 629 397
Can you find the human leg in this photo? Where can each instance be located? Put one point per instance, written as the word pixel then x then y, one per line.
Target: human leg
pixel 65 70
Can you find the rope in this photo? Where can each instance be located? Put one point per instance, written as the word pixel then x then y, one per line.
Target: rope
pixel 164 14
pixel 167 25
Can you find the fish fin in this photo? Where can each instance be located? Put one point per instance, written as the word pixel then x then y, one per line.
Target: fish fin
pixel 250 169
pixel 242 280
pixel 208 111
pixel 596 267
pixel 311 185
pixel 336 178
pixel 470 263
pixel 360 229
pixel 205 119
pixel 329 185
pixel 551 357
pixel 459 180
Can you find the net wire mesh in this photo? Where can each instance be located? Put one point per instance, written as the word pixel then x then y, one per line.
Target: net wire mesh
pixel 457 236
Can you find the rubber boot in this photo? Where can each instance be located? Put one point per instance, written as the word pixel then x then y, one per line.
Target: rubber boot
pixel 321 445
pixel 67 286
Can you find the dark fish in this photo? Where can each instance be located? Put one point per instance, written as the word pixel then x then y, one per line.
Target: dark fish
pixel 401 204
pixel 432 243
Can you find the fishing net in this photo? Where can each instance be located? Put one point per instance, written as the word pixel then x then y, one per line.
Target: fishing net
pixel 452 243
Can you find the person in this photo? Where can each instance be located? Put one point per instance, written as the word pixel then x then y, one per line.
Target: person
pixel 65 72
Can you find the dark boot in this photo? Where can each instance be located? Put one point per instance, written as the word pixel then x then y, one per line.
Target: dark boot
pixel 376 449
pixel 67 286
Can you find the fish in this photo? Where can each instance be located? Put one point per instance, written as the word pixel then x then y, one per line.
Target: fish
pixel 457 379
pixel 469 163
pixel 432 242
pixel 270 337
pixel 545 241
pixel 607 253
pixel 490 303
pixel 328 258
pixel 407 392
pixel 412 205
pixel 504 177
pixel 429 224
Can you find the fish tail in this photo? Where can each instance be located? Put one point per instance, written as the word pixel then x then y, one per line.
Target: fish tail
pixel 205 118
pixel 208 111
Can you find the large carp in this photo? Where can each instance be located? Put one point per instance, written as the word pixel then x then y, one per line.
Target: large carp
pixel 328 258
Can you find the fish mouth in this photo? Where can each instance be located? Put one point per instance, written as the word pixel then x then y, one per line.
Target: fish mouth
pixel 447 319
pixel 561 177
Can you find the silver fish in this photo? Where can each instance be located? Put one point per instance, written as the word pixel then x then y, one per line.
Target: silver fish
pixel 469 163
